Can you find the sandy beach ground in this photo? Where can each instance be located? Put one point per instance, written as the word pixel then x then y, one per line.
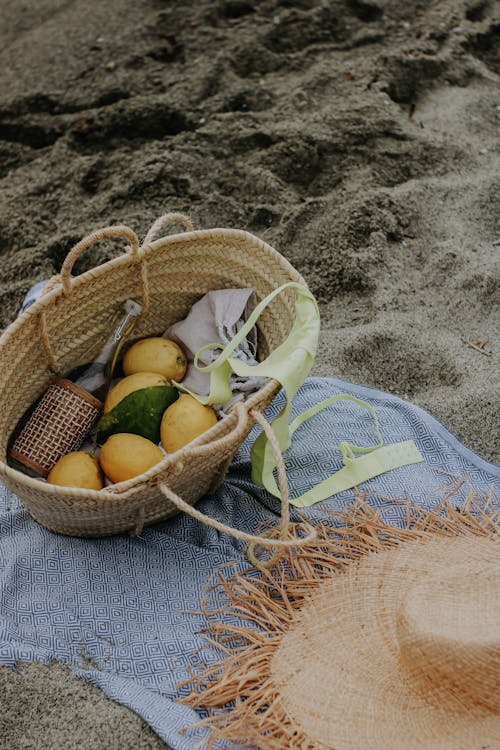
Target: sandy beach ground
pixel 358 137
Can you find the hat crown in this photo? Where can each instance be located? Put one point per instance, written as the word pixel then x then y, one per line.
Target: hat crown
pixel 448 632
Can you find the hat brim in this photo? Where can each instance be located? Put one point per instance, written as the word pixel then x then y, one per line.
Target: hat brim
pixel 338 669
pixel 276 688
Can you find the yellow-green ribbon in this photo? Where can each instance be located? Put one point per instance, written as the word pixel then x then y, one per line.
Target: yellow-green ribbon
pixel 290 364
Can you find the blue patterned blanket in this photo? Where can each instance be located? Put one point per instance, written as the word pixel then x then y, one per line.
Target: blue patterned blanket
pixel 115 609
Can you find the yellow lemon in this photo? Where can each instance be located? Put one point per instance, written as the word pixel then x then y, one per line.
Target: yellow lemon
pixel 77 469
pixel 184 421
pixel 156 355
pixel 125 455
pixel 130 384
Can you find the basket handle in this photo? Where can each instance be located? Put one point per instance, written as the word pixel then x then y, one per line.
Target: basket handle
pixel 65 278
pixel 163 221
pixel 51 284
pixel 91 239
pixel 284 541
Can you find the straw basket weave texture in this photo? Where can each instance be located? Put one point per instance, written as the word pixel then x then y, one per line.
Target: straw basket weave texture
pixel 66 327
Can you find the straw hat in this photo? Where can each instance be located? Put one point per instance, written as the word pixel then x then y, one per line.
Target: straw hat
pixel 402 650
pixel 397 649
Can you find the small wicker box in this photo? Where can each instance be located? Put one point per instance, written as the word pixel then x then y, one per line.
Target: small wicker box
pixel 59 424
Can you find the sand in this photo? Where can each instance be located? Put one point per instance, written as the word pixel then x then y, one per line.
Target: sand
pixel 359 137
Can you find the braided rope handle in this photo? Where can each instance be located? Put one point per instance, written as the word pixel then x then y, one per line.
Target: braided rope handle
pixel 100 234
pixel 118 230
pixel 51 284
pixel 163 221
pixel 66 279
pixel 280 544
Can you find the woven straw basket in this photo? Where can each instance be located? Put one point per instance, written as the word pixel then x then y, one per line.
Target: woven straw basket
pixel 66 327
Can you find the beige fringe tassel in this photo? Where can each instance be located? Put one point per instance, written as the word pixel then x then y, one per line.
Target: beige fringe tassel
pixel 238 691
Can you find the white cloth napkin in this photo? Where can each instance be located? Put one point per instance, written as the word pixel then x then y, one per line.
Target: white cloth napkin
pixel 215 319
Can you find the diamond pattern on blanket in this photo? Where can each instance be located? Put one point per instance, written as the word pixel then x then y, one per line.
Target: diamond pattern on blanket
pixel 115 609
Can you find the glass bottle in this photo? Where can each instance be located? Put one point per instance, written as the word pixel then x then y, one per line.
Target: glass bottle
pixel 97 376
